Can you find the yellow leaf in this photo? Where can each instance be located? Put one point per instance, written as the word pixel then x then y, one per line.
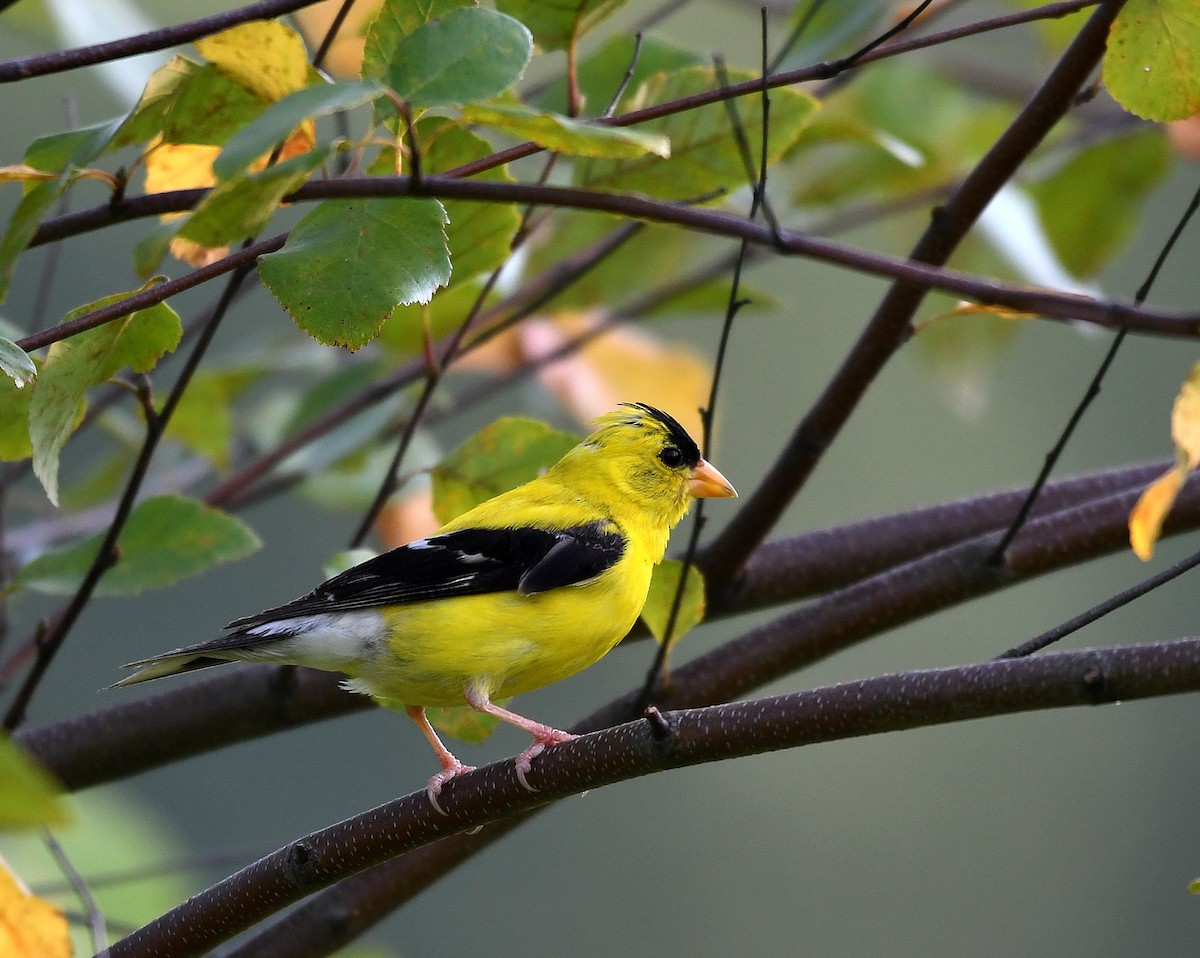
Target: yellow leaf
pixel 187 166
pixel 405 519
pixel 29 926
pixel 344 59
pixel 1184 137
pixel 1185 418
pixel 965 308
pixel 1146 519
pixel 19 171
pixel 183 166
pixel 264 56
pixel 622 365
pixel 196 256
pixel 179 166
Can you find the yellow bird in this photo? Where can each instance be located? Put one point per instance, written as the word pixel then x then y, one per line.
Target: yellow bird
pixel 521 591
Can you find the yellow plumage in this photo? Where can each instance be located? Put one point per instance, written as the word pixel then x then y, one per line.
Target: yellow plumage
pixel 521 591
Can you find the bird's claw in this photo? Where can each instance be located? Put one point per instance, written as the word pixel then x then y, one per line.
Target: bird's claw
pixel 434 788
pixel 524 761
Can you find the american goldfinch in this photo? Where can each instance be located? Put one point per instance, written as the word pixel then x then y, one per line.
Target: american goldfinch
pixel 521 591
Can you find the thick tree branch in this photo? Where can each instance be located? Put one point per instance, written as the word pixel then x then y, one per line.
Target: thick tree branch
pixel 794 567
pixel 249 701
pixel 889 703
pixel 890 326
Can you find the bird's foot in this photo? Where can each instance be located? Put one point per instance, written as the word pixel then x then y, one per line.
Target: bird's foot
pixel 434 788
pixel 524 761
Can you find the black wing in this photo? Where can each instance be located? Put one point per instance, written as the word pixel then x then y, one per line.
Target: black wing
pixel 467 562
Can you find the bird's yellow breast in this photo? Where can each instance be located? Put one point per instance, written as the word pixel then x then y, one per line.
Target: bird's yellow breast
pixel 506 643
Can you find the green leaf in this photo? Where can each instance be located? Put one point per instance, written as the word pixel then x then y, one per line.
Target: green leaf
pixel 145 338
pixel 1152 65
pixel 395 20
pixel 150 249
pixel 29 795
pixel 208 109
pixel 349 263
pixel 149 115
pixel 167 539
pixel 203 420
pixel 656 613
pixel 57 151
pixel 240 207
pixel 75 365
pixel 1090 206
pixel 16 363
pixel 704 154
pixel 479 234
pixel 557 25
pixel 276 122
pixel 14 421
pixel 564 135
pixel 463 722
pixel 509 452
pixel 469 54
pixel 189 102
pixel 24 224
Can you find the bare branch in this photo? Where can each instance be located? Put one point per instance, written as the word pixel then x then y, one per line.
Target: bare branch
pixel 906 700
pixel 1110 314
pixel 62 60
pixel 890 326
pixel 250 701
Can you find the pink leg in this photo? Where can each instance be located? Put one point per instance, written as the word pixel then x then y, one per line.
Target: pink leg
pixel 543 735
pixel 450 765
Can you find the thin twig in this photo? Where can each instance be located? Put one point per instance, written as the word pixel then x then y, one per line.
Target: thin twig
pixel 1093 389
pixel 61 60
pixel 890 325
pixel 107 555
pixel 95 917
pixel 335 26
pixel 624 84
pixel 658 676
pixel 1111 604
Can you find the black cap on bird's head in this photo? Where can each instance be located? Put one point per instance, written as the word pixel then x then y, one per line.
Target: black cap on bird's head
pixel 689 452
pixel 678 451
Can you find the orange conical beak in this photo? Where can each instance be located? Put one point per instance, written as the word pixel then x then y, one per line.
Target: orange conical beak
pixel 706 482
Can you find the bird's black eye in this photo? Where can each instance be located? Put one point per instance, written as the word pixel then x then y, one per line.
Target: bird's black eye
pixel 671 457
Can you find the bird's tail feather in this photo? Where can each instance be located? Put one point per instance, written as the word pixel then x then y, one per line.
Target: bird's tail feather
pixel 157 668
pixel 203 655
